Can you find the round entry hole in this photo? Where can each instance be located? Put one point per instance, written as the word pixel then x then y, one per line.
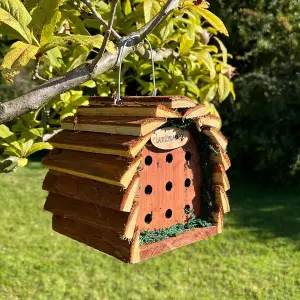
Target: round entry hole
pixel 148 218
pixel 187 182
pixel 148 190
pixel 168 213
pixel 169 186
pixel 188 156
pixel 169 158
pixel 187 209
pixel 148 160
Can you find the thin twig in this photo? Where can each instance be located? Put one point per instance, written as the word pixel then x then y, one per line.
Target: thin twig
pixel 99 18
pixel 36 71
pixel 108 32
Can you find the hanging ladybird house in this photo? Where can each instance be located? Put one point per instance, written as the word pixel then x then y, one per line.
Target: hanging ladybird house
pixel 138 179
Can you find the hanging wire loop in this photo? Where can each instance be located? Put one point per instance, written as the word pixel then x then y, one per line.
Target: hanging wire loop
pixel 118 99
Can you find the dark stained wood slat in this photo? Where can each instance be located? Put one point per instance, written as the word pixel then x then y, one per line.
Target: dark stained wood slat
pixel 124 145
pixel 103 194
pixel 208 120
pixel 102 239
pixel 216 137
pixel 195 112
pixel 90 214
pixel 136 126
pixel 129 110
pixel 168 101
pixel 101 167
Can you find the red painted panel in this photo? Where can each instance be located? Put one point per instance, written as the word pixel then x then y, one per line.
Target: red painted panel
pixel 157 172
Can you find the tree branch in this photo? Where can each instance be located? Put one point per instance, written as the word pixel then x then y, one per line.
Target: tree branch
pixel 107 34
pixel 54 87
pixel 99 18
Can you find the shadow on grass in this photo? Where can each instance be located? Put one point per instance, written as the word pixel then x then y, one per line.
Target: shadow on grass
pixel 267 211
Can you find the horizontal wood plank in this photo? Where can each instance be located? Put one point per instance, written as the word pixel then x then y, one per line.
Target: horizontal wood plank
pixel 136 126
pixel 195 112
pixel 168 101
pixel 103 194
pixel 208 120
pixel 129 110
pixel 221 157
pixel 103 239
pixel 105 168
pixel 124 145
pixel 150 250
pixel 222 199
pixel 90 214
pixel 220 177
pixel 216 137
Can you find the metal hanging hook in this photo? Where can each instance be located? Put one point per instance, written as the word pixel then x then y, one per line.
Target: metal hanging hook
pixel 118 99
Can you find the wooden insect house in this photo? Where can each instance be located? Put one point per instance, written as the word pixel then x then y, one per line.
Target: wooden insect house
pixel 138 179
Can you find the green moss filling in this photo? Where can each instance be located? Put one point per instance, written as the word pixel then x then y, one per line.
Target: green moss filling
pixel 149 237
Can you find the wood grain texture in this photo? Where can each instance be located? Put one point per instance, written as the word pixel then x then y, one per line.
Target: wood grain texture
pixel 91 214
pixel 128 110
pixel 208 120
pixel 92 191
pixel 103 239
pixel 175 182
pixel 218 216
pixel 221 158
pixel 136 126
pixel 150 250
pixel 195 112
pixel 220 177
pixel 123 145
pixel 135 247
pixel 222 199
pixel 216 137
pixel 105 168
pixel 168 101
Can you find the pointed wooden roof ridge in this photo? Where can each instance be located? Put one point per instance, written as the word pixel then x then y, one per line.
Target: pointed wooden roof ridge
pixel 93 172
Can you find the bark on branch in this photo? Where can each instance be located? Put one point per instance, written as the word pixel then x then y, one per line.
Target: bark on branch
pixel 47 91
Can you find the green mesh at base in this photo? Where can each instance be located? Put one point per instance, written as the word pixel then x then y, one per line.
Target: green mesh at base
pixel 149 237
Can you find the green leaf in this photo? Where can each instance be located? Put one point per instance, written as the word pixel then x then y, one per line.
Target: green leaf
pixel 89 84
pixel 32 133
pixel 22 162
pixel 224 87
pixel 55 57
pixel 16 59
pixel 12 150
pixel 6 134
pixel 14 14
pixel 78 57
pixel 185 44
pixel 232 91
pixel 208 94
pixel 223 49
pixel 44 18
pixel 26 146
pixel 212 19
pixel 151 9
pixel 205 57
pixel 38 147
pixel 73 16
pixel 192 87
pixel 79 40
pixel 127 7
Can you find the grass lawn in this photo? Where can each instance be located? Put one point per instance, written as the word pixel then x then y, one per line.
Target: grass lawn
pixel 258 256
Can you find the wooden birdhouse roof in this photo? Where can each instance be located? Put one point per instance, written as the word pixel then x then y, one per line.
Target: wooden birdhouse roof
pixel 93 173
